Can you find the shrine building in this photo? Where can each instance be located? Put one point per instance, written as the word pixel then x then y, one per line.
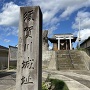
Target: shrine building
pixel 62 41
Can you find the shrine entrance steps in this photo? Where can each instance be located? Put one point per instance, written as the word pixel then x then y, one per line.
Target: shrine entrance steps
pixel 69 60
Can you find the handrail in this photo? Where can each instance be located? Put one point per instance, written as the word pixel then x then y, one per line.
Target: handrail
pixel 71 59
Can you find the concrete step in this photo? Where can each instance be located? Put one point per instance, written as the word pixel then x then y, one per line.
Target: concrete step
pixel 77 62
pixel 65 65
pixel 65 60
pixel 65 68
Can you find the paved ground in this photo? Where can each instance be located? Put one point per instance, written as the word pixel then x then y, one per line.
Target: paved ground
pixel 75 80
pixel 7 80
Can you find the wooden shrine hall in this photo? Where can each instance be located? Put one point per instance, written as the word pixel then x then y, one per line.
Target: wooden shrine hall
pixel 62 41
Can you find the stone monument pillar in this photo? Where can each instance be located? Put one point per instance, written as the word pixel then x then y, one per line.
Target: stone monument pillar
pixel 45 40
pixel 29 63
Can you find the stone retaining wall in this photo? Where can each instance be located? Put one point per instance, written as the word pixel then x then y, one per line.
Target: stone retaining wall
pixel 86 59
pixel 48 59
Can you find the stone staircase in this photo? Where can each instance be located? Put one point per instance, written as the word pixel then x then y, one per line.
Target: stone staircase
pixel 69 60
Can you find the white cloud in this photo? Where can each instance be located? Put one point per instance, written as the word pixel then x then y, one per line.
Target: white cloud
pixel 84 34
pixel 10 11
pixel 6 40
pixel 84 18
pixel 10 14
pixel 12 31
pixel 56 10
pixel 51 8
pixel 51 30
pixel 7 31
pixel 53 11
pixel 73 6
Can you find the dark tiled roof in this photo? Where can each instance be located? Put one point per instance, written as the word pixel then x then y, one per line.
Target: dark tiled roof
pixel 85 41
pixel 2 47
pixel 12 46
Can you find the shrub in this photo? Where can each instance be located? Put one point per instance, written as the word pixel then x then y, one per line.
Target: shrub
pixel 59 84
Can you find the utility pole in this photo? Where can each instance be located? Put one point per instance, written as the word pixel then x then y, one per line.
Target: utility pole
pixel 79 39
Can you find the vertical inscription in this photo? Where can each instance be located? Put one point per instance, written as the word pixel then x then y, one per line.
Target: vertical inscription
pixel 27 18
pixel 28 63
pixel 31 46
pixel 26 80
pixel 28 15
pixel 24 47
pixel 27 31
pixel 27 46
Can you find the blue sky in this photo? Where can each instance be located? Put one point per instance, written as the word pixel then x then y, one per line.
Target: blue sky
pixel 59 16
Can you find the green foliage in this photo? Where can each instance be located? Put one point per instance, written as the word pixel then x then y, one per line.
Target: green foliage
pixel 48 78
pixel 12 67
pixel 55 84
pixel 82 49
pixel 44 86
pixel 59 84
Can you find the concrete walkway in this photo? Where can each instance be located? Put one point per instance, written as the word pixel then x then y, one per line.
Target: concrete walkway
pixel 7 79
pixel 73 80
